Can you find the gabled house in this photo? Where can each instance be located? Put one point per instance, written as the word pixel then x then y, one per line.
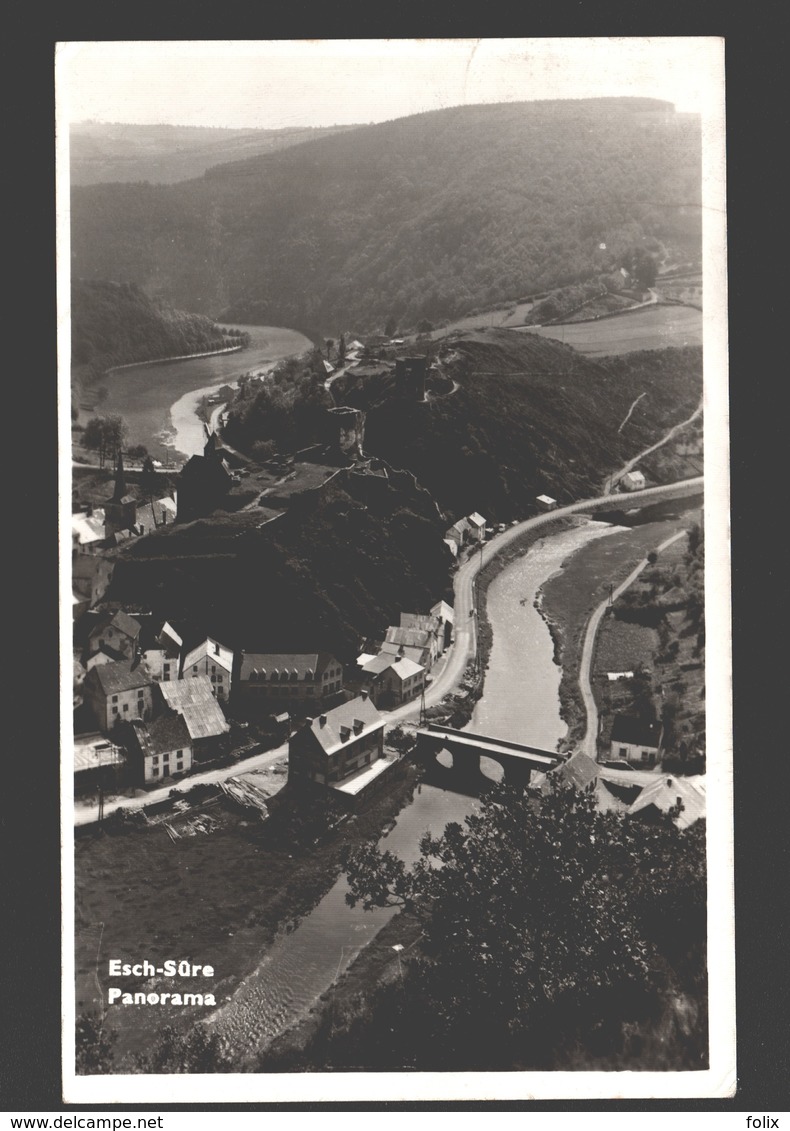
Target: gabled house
pixel 477 527
pixel 118 634
pixel 458 533
pixel 88 535
pixel 636 741
pixel 334 746
pixel 666 792
pixel 271 681
pixel 446 616
pixel 117 692
pixel 194 700
pixel 546 503
pixel 392 680
pixel 633 481
pixel 418 644
pixel 214 660
pixel 426 622
pixel 160 748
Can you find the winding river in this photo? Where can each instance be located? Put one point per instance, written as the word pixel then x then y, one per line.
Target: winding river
pixel 521 702
pixel 158 402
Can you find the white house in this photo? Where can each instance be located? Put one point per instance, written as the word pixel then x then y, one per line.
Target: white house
pixel 633 481
pixel 393 680
pixel 214 660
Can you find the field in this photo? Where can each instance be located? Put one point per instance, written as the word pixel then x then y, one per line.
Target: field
pixel 649 329
pixel 215 898
pixel 570 598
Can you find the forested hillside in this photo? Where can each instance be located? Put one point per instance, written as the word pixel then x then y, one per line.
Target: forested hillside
pixel 331 571
pixel 117 323
pixel 429 216
pixel 118 151
pixel 528 416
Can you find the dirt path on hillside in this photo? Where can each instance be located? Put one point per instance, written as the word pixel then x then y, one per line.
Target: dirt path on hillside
pixel 589 743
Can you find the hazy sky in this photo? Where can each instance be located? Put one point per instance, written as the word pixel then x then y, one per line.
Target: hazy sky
pixel 272 84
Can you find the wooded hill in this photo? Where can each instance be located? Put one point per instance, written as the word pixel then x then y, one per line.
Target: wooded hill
pixel 332 570
pixel 530 416
pixel 429 216
pixel 117 323
pixel 102 152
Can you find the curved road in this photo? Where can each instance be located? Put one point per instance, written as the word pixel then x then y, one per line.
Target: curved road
pixel 465 643
pixel 589 743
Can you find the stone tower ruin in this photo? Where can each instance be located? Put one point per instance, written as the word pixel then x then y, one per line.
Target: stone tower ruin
pixel 410 377
pixel 347 432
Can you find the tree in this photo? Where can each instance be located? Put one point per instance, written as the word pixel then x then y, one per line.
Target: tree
pixel 641 265
pixel 196 1051
pixel 149 480
pixel 341 348
pixel 137 451
pixel 263 450
pixel 330 345
pixel 94 1046
pixel 536 916
pixel 391 326
pixel 105 435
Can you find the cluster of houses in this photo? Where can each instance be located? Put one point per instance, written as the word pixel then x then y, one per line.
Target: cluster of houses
pixel 158 702
pixel 158 708
pixel 398 671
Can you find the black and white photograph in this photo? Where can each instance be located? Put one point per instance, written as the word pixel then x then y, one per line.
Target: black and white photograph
pixel 396 756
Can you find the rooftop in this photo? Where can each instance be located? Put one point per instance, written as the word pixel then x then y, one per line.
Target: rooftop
pixel 93 750
pixel 636 732
pixel 210 649
pixel 355 783
pixel 477 519
pixel 402 664
pixel 303 663
pixel 118 676
pixel 412 637
pixel 667 791
pixel 354 719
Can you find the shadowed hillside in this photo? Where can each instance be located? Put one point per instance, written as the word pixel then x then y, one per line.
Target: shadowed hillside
pixel 428 216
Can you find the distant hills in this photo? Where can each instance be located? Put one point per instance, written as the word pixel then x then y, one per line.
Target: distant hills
pixel 430 216
pixel 114 151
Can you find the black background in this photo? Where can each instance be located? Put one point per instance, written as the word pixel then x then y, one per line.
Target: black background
pixel 756 48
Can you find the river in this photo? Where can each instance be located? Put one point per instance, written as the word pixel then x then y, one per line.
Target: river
pixel 521 702
pixel 158 402
pixel 521 699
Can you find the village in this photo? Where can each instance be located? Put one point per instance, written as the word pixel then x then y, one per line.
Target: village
pixel 153 711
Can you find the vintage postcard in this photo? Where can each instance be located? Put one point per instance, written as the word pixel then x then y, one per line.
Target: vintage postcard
pixel 396 750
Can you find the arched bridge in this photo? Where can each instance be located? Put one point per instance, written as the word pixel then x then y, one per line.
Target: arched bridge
pixel 517 760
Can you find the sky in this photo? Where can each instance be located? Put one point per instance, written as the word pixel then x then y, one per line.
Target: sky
pixel 272 84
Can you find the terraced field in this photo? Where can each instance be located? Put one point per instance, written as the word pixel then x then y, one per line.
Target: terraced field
pixel 649 329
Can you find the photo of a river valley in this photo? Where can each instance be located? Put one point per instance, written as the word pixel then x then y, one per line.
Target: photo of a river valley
pixel 390 593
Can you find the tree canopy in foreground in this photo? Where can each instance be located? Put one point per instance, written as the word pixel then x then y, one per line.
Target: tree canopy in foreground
pixel 544 921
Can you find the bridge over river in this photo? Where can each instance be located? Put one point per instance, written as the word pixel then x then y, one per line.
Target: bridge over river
pixel 467 748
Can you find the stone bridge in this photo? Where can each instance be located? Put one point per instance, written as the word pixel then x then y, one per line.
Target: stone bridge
pixel 517 760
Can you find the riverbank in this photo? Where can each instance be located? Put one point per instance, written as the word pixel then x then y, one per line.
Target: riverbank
pixel 230 894
pixel 567 601
pixel 179 357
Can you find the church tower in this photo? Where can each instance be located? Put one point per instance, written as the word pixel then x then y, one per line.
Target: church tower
pixel 120 510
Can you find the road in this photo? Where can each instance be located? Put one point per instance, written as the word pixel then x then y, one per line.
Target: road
pixel 618 475
pixel 451 669
pixel 87 813
pixel 589 744
pixel 464 645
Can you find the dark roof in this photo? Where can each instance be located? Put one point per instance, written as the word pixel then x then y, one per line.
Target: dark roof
pixel 411 637
pixel 119 620
pixel 637 732
pixel 168 732
pixel 301 663
pixel 120 676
